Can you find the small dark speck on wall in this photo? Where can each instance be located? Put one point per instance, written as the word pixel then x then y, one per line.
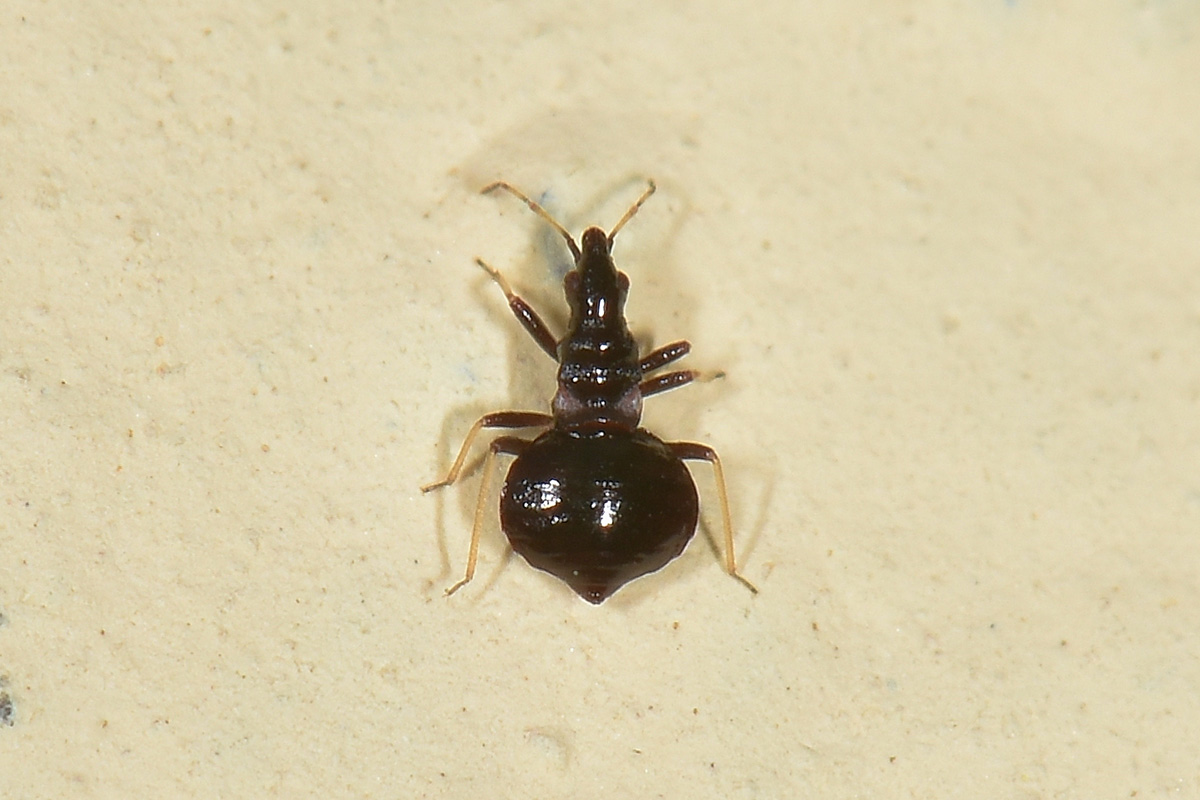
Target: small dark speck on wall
pixel 7 715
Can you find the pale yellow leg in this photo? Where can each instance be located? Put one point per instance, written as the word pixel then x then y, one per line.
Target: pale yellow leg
pixel 456 468
pixel 727 521
pixel 497 419
pixel 473 554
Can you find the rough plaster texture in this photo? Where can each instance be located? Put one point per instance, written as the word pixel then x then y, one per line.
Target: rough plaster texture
pixel 946 253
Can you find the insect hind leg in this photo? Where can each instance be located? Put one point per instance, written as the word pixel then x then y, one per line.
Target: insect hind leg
pixel 693 451
pixel 509 445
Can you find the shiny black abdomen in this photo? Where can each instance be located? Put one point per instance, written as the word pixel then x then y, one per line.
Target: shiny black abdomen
pixel 598 511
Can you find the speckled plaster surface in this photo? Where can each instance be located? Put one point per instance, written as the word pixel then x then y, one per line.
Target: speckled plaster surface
pixel 946 254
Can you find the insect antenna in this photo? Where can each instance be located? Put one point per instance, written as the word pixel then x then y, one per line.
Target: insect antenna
pixel 543 213
pixel 633 209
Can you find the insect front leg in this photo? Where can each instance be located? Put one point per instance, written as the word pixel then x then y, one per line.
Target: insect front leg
pixel 668 354
pixel 524 312
pixel 673 380
pixel 665 355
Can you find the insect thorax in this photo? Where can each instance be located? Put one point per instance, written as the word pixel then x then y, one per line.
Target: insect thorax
pixel 598 380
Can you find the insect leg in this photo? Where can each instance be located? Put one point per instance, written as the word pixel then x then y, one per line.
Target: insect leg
pixel 497 419
pixel 672 380
pixel 665 355
pixel 510 445
pixel 524 313
pixel 701 452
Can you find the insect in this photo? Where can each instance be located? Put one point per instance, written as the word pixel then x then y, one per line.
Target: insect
pixel 594 500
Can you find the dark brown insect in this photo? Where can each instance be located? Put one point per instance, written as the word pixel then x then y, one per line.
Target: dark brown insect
pixel 594 500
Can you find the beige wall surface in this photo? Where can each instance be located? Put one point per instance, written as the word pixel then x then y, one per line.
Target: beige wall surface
pixel 945 253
